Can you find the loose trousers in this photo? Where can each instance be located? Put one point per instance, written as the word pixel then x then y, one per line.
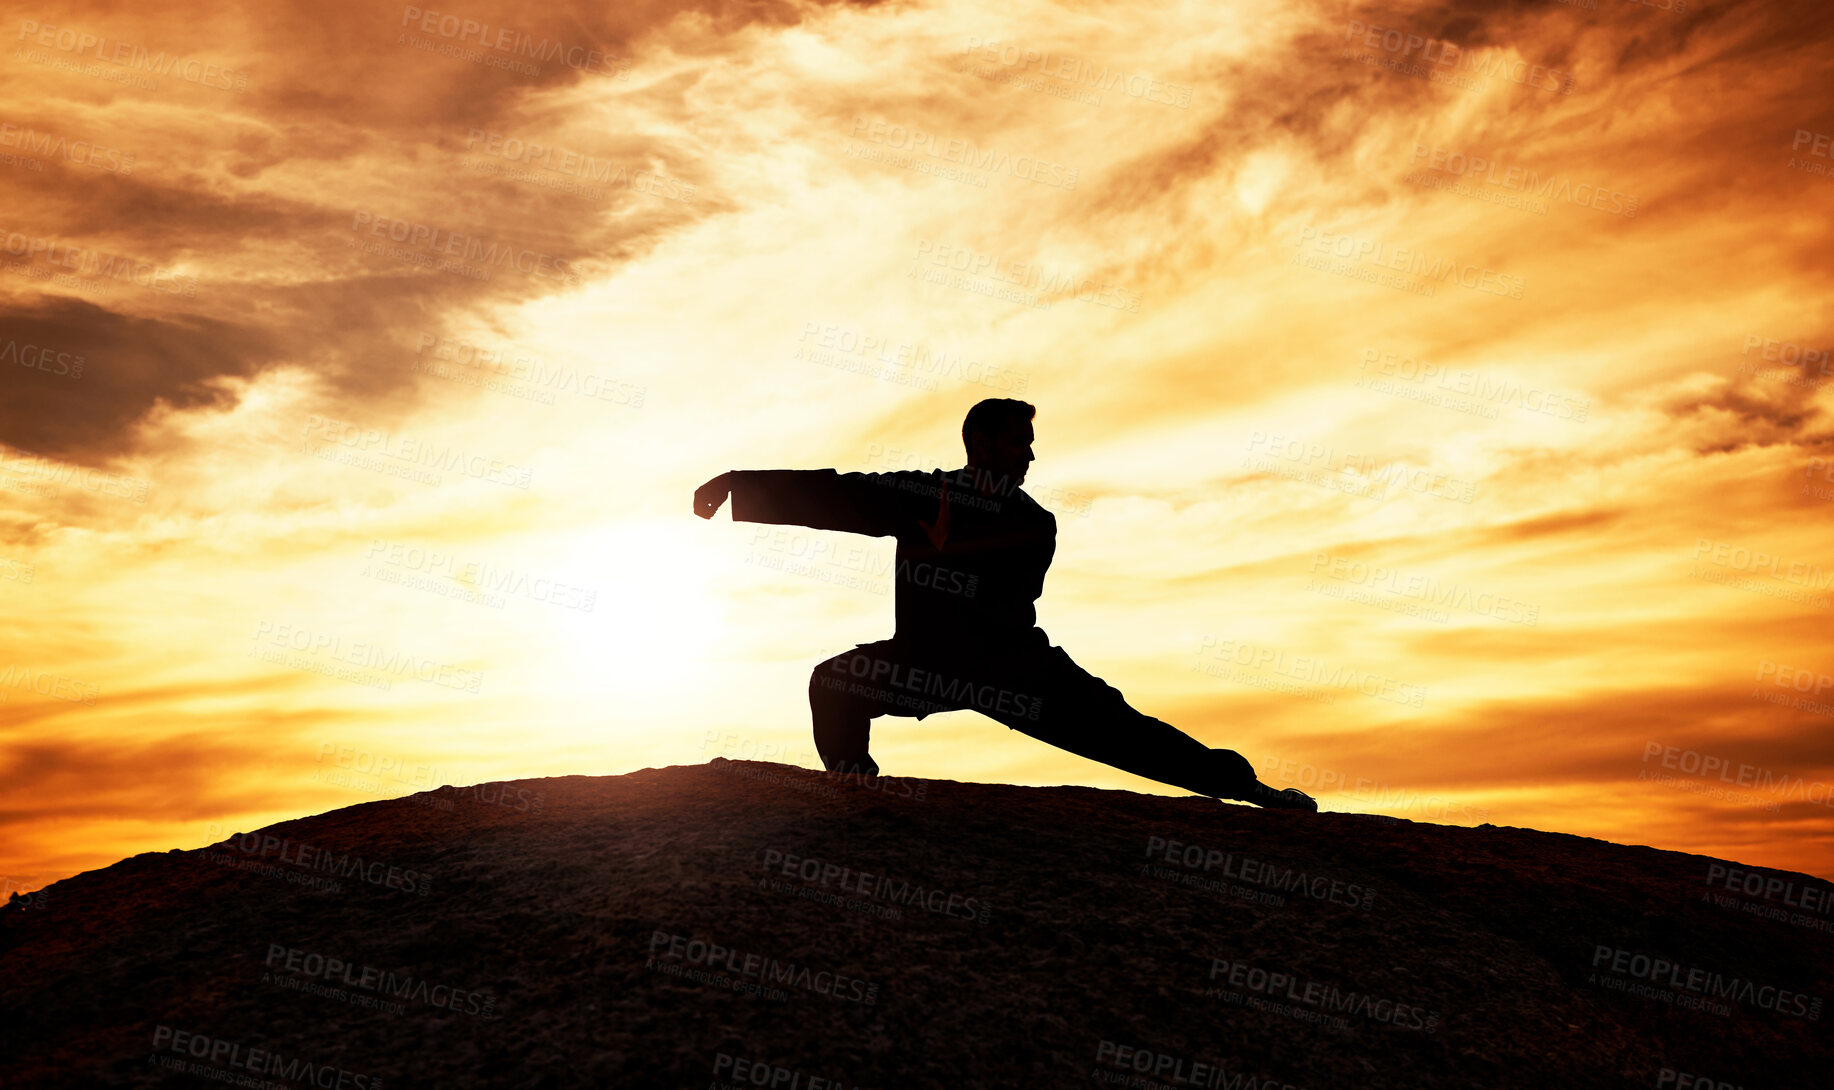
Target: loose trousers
pixel 1029 686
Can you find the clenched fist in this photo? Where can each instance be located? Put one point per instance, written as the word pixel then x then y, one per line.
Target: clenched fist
pixel 709 496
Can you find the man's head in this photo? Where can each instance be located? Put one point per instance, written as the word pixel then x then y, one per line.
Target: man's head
pixel 998 437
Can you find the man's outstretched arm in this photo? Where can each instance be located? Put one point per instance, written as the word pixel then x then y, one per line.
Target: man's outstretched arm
pixel 855 503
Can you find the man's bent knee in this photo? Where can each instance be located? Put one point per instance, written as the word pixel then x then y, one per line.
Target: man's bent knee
pixel 831 674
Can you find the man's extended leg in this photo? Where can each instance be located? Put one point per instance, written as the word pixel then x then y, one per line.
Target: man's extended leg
pixel 1059 702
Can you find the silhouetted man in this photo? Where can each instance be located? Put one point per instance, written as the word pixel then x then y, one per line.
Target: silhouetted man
pixel 972 552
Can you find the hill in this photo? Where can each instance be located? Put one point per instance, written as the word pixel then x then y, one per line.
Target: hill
pixel 753 924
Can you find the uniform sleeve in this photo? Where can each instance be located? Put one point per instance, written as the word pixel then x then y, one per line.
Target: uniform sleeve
pixel 874 504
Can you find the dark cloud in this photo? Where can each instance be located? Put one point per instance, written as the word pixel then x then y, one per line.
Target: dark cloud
pixel 282 279
pixel 129 365
pixel 1734 415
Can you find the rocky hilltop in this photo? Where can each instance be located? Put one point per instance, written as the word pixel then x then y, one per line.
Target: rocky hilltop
pixel 750 924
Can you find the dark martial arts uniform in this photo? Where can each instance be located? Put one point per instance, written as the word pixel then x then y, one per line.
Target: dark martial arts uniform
pixel 969 568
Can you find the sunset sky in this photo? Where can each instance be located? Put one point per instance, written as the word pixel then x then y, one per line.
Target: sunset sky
pixel 1435 399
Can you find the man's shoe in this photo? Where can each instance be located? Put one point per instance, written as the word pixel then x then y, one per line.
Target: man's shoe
pixel 1290 799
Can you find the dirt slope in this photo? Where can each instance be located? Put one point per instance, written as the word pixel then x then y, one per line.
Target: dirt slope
pixel 755 924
